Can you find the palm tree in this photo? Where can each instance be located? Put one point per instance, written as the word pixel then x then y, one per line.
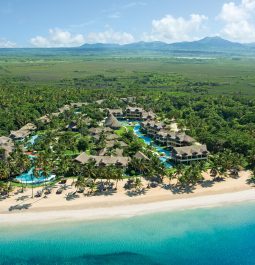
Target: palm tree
pixel 214 165
pixel 89 170
pixel 4 170
pixel 138 184
pixel 117 176
pixel 80 183
pixel 171 174
pixel 179 170
pixel 36 174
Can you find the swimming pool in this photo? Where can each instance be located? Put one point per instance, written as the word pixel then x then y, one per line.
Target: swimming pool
pixel 32 140
pixel 165 155
pixel 29 178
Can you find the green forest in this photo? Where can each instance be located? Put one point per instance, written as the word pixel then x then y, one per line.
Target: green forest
pixel 214 99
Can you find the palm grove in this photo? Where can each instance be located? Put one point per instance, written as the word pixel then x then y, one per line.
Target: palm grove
pixel 225 123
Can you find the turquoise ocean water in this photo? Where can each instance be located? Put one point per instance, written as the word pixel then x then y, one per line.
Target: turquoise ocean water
pixel 220 236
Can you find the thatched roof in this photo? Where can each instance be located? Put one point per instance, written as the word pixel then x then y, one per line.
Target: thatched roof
pixel 182 137
pixel 134 109
pixel 153 124
pixel 79 104
pixel 103 160
pixel 150 115
pixel 44 119
pixel 112 136
pixel 64 108
pixel 99 130
pixel 116 152
pixel 7 145
pixel 5 140
pixel 100 101
pixel 23 132
pixel 190 150
pixel 141 155
pixel 112 143
pixel 115 111
pixel 128 99
pixel 112 122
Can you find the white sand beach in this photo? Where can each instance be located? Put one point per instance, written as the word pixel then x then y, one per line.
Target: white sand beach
pixel 55 208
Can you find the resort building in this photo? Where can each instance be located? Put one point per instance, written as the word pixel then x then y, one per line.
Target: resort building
pixel 113 136
pixel 64 108
pixel 79 104
pixel 128 100
pixel 158 132
pixel 111 151
pixel 117 113
pixel 23 132
pixel 45 119
pixel 101 161
pixel 99 130
pixel 113 143
pixel 189 154
pixel 112 122
pixel 171 139
pixel 6 147
pixel 150 115
pixel 100 101
pixel 152 128
pixel 76 125
pixel 134 113
pixel 140 155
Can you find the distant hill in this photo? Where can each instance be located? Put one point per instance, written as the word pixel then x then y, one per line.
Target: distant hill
pixel 209 46
pixel 208 43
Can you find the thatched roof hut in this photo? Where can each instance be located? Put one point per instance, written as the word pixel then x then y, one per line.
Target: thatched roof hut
pixel 140 155
pixel 103 160
pixel 112 122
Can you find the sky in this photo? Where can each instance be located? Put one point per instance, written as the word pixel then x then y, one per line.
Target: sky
pixel 70 23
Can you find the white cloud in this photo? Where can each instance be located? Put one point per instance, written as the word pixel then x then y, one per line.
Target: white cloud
pixel 110 36
pixel 115 15
pixel 58 38
pixel 239 21
pixel 170 29
pixel 7 44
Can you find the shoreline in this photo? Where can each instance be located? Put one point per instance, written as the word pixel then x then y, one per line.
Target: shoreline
pixel 121 204
pixel 128 211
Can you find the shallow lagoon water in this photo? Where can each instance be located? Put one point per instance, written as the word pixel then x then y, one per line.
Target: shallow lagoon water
pixel 223 235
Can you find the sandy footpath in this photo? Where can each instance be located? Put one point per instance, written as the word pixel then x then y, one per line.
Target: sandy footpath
pixel 122 205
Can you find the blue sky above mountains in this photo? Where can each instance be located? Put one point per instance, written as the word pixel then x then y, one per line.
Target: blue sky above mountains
pixel 68 23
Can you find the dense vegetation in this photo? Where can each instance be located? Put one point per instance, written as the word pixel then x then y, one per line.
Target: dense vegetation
pixel 214 99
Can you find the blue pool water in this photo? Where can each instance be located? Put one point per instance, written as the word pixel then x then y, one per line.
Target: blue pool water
pixel 33 139
pixel 29 178
pixel 224 236
pixel 165 154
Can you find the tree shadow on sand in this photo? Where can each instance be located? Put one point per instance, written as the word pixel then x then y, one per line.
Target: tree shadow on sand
pixel 109 192
pixel 72 196
pixel 181 189
pixel 207 183
pixel 251 182
pixel 22 198
pixel 136 192
pixel 20 207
